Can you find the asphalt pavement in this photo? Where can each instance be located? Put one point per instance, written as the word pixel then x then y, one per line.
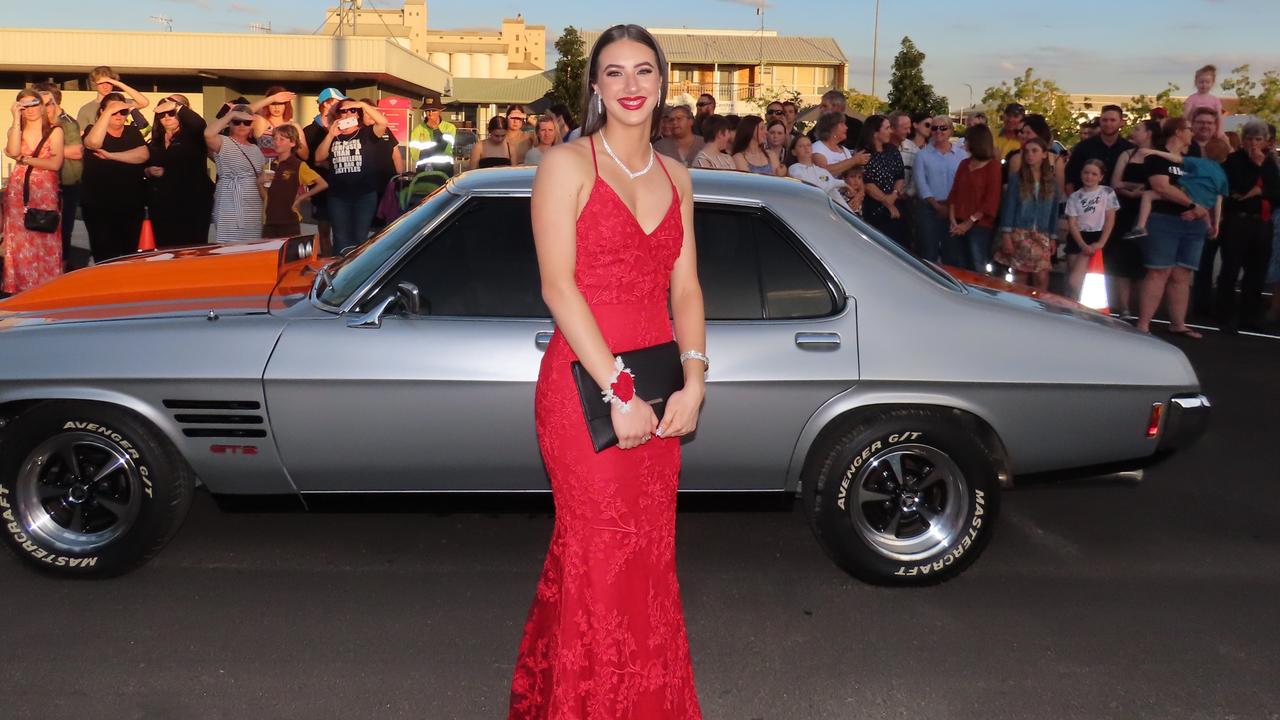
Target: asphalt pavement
pixel 1094 600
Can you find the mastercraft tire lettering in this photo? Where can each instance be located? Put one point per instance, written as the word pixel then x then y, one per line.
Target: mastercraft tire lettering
pixel 902 497
pixel 89 489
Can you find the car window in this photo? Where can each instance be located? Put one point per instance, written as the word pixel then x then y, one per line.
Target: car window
pixel 480 264
pixel 751 270
pixel 350 272
pixel 864 228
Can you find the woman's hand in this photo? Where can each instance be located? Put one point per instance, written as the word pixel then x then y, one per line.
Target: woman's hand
pixel 17 110
pixel 862 157
pixel 681 415
pixel 894 212
pixel 103 154
pixel 155 171
pixel 115 106
pixel 283 96
pixel 634 426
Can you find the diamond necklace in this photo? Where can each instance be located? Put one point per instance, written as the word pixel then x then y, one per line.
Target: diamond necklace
pixel 631 175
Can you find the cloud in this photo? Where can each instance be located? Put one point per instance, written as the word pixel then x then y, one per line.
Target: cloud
pixel 236 7
pixel 202 4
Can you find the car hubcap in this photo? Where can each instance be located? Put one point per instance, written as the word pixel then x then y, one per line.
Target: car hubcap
pixel 77 492
pixel 910 502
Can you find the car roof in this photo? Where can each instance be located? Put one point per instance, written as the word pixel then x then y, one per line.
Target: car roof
pixel 707 184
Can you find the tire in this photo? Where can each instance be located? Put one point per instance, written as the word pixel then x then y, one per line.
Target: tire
pixel 945 510
pixel 89 490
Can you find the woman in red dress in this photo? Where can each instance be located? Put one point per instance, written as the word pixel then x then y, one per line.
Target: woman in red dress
pixel 31 258
pixel 613 224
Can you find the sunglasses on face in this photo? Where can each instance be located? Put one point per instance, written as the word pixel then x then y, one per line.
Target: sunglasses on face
pixel 349 111
pixel 242 122
pixel 940 127
pixel 167 113
pixel 776 112
pixel 703 104
pixel 121 113
pixel 511 118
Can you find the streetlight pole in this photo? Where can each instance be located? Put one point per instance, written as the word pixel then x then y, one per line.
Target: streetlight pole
pixel 875 49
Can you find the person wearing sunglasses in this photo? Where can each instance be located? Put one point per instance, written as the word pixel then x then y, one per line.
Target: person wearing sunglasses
pixel 352 149
pixel 180 202
pixel 704 108
pixel 273 110
pixel 237 200
pixel 113 196
pixel 935 173
pixel 32 257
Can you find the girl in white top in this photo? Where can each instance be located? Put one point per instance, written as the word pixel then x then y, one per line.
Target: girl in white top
pixel 1091 216
pixel 805 171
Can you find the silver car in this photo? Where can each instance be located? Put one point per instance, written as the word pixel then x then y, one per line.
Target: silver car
pixel 893 399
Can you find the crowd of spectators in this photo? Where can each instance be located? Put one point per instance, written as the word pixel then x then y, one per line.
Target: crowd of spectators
pixel 1164 202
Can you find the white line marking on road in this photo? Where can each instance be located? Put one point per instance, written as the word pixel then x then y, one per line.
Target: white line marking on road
pixel 1248 333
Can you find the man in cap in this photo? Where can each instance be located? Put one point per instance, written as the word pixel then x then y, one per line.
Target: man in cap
pixel 1008 141
pixel 432 139
pixel 315 132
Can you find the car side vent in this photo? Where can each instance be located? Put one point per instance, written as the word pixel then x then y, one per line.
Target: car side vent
pixel 236 424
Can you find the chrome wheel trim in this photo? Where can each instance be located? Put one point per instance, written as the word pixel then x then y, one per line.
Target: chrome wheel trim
pixel 77 493
pixel 910 502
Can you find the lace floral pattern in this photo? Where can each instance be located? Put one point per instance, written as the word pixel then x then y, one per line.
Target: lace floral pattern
pixel 31 258
pixel 605 638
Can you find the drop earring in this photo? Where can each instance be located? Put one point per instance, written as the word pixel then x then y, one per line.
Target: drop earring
pixel 599 105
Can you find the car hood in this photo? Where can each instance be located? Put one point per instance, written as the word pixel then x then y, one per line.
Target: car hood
pixel 227 279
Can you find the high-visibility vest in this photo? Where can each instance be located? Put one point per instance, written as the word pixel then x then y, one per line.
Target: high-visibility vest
pixel 428 142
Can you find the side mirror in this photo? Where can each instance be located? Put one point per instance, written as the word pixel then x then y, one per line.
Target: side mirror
pixel 406 299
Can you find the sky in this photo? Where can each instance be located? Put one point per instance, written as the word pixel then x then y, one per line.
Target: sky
pixel 1086 47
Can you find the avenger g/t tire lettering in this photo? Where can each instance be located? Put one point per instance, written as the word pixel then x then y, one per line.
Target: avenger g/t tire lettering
pixel 89 489
pixel 903 497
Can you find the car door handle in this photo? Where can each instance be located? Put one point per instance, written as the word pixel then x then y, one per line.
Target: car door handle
pixel 818 340
pixel 542 340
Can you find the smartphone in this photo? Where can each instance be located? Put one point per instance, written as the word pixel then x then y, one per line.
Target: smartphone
pixel 347 123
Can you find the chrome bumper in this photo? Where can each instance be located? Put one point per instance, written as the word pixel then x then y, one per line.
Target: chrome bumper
pixel 1186 419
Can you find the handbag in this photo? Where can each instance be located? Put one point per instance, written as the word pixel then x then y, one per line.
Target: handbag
pixel 36 220
pixel 658 372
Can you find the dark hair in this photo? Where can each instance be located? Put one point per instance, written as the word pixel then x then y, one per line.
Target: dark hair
pixel 521 108
pixel 562 111
pixel 229 105
pixel 733 120
pixel 1040 127
pixel 713 125
pixel 827 124
pixel 51 88
pixel 110 98
pixel 497 122
pixel 594 120
pixel 266 109
pixel 789 158
pixel 871 126
pixel 1112 108
pixel 978 141
pixel 1026 181
pixel 769 125
pixel 1155 130
pixel 745 133
pixel 1168 128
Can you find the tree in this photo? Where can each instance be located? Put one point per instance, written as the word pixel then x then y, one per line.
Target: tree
pixel 1259 97
pixel 571 66
pixel 1139 107
pixel 908 91
pixel 860 103
pixel 1039 96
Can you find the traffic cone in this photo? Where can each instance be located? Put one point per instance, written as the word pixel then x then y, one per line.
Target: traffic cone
pixel 147 238
pixel 1093 294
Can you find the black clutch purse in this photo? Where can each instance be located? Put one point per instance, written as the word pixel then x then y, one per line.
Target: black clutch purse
pixel 34 219
pixel 658 373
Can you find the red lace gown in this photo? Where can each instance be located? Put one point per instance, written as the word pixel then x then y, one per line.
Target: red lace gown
pixel 605 639
pixel 31 258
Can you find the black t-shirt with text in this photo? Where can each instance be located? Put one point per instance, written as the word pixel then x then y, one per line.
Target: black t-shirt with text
pixel 353 163
pixel 110 183
pixel 1159 166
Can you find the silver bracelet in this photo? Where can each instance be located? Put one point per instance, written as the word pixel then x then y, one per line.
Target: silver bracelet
pixel 695 355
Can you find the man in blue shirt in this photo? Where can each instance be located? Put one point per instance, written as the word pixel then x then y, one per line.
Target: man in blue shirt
pixel 934 171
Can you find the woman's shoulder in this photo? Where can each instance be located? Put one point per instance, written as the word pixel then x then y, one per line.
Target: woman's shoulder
pixel 679 174
pixel 567 164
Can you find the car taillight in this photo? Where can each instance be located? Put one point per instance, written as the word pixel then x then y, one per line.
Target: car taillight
pixel 1153 423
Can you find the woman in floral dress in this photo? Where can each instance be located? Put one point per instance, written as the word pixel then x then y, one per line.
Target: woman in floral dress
pixel 31 258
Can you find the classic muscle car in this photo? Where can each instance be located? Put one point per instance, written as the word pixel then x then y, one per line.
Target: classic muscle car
pixel 893 399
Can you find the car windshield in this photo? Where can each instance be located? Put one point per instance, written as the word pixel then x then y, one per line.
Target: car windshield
pixel 930 270
pixel 347 274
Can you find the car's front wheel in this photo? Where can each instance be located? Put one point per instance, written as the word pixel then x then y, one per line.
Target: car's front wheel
pixel 89 490
pixel 902 497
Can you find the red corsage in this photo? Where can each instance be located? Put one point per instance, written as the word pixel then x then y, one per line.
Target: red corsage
pixel 623 387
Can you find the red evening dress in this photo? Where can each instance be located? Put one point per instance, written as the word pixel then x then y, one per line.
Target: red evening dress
pixel 605 639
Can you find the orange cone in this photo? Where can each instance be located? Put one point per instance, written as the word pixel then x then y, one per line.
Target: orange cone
pixel 147 238
pixel 1093 293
